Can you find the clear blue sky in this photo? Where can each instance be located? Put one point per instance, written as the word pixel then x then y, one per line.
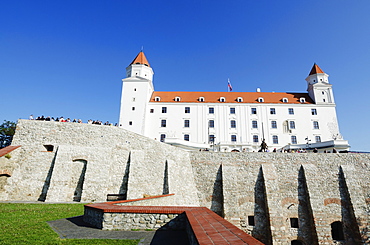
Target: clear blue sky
pixel 67 58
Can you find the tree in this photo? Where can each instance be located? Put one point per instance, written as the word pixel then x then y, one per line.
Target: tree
pixel 7 130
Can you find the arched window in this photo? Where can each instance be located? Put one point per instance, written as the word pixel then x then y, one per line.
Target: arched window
pixel 222 99
pixel 177 99
pixel 337 231
pixel 157 98
pixel 260 99
pixel 302 100
pixel 201 99
pixel 239 99
pixel 285 100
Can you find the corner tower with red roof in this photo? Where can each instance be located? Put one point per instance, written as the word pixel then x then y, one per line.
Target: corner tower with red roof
pixel 319 88
pixel 137 89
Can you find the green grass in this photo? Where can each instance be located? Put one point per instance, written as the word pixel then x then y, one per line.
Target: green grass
pixel 26 224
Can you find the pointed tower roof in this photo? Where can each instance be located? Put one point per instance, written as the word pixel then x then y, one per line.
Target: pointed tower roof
pixel 140 59
pixel 315 70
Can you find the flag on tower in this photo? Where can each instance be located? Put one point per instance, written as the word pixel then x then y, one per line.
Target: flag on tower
pixel 229 85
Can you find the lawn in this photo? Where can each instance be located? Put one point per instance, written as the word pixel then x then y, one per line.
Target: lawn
pixel 26 224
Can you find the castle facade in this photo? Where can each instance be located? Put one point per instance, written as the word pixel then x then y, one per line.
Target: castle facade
pixel 226 121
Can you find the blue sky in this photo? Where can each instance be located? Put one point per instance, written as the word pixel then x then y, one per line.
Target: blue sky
pixel 67 58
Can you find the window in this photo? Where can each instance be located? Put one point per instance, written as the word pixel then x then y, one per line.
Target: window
pixel 211 123
pixel 233 124
pixel 130 123
pixel 222 99
pixel 253 110
pixel 177 99
pixel 337 231
pixel 251 220
pixel 291 111
pixel 211 110
pixel 294 223
pixel 315 125
pixel 187 109
pixel 275 139
pixel 313 112
pixel 272 111
pixel 291 125
pixel 285 100
pixel 211 138
pixel 133 108
pixel 186 123
pixel 293 139
pixel 273 124
pixel 186 137
pixel 260 99
pixel 233 138
pixel 133 99
pixel 151 110
pixel 164 109
pixel 232 110
pixel 317 139
pixel 255 138
pixel 201 99
pixel 302 100
pixel 134 89
pixel 163 123
pixel 254 124
pixel 239 99
pixel 163 136
pixel 157 99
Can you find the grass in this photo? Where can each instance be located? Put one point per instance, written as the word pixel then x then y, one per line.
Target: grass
pixel 26 224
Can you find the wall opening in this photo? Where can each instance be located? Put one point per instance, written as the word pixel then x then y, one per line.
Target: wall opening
pixel 79 187
pixel 166 189
pixel 337 231
pixel 296 242
pixel 49 148
pixel 294 223
pixel 251 221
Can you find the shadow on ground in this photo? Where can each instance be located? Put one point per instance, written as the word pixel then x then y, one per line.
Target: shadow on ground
pixel 76 228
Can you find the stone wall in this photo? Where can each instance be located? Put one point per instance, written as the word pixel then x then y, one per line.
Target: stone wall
pixel 262 193
pixel 317 189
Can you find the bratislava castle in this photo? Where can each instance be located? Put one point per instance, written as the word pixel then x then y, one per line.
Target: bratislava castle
pixel 227 121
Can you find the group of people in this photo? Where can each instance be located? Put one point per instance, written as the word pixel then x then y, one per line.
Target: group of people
pixel 62 119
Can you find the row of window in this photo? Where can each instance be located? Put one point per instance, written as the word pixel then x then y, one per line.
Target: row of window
pixel 239 99
pixel 255 138
pixel 211 110
pixel 211 124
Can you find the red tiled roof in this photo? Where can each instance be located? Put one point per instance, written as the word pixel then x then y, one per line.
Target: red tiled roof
pixel 140 59
pixel 231 97
pixel 8 149
pixel 315 70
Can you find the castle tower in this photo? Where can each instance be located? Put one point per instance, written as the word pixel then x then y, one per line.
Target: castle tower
pixel 318 86
pixel 137 89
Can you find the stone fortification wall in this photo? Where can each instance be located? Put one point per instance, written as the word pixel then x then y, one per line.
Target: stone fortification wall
pixel 315 189
pixel 84 162
pixel 276 197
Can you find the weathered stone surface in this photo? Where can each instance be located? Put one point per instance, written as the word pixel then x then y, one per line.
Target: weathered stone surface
pixel 316 189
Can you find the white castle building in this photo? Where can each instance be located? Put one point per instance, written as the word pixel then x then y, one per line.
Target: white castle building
pixel 226 121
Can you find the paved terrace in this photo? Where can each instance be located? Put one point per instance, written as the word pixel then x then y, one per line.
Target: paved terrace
pixel 206 227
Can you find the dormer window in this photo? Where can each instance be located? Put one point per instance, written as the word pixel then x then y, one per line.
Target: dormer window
pixel 222 99
pixel 157 98
pixel 177 99
pixel 239 99
pixel 302 100
pixel 285 100
pixel 201 99
pixel 260 99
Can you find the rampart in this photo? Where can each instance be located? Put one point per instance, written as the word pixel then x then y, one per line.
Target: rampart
pixel 276 197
